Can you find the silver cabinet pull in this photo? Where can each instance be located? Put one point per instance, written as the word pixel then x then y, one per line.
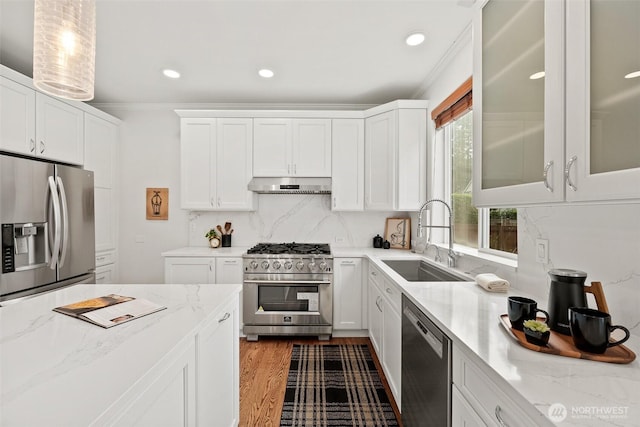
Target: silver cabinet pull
pixel 211 202
pixel 42 147
pixel 32 145
pixel 545 175
pixel 378 305
pixel 288 169
pixel 498 413
pixel 225 317
pixel 567 175
pixel 219 202
pixel 388 290
pixel 373 273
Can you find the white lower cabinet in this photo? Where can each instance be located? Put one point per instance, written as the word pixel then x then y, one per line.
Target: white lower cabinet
pixel 463 414
pixel 195 384
pixel 385 328
pixel 105 275
pixel 217 380
pixel 479 395
pixel 348 292
pixel 189 270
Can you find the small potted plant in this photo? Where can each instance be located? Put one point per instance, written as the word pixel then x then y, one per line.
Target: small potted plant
pixel 214 240
pixel 536 332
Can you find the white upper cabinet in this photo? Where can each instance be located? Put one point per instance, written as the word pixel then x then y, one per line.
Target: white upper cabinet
pixel 59 130
pixel 17 118
pixel 543 140
pixel 347 164
pixel 518 112
pixel 38 125
pixel 292 147
pixel 603 102
pixel 395 160
pixel 216 164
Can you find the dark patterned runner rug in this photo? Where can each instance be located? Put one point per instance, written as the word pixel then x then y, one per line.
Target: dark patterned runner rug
pixel 335 385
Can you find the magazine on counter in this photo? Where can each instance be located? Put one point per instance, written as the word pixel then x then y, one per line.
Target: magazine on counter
pixel 110 310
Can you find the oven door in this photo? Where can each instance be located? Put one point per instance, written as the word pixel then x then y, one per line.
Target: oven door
pixel 270 302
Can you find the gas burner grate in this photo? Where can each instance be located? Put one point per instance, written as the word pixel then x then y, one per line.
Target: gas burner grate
pixel 291 248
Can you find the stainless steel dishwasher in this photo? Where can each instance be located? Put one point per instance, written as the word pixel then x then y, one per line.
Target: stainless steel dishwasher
pixel 426 370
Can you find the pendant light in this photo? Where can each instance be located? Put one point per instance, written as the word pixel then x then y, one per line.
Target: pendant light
pixel 64 48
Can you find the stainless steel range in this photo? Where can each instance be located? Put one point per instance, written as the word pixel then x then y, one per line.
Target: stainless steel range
pixel 288 290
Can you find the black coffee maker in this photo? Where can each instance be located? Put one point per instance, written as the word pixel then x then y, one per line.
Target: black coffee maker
pixel 566 290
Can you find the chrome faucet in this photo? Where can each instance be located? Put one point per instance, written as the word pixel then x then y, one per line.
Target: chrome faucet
pixel 451 255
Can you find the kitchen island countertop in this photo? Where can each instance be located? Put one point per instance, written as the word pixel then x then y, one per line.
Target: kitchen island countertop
pixel 59 370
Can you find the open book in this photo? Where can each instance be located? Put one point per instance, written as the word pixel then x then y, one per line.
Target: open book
pixel 110 310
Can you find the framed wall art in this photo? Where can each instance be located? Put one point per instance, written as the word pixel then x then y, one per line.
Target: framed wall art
pixel 157 203
pixel 398 233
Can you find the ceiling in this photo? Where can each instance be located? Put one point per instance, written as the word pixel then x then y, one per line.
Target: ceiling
pixel 322 51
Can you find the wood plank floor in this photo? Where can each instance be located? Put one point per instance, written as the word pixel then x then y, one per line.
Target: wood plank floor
pixel 264 366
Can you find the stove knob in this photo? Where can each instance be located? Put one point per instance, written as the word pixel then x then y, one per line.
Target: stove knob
pixel 312 265
pixel 276 264
pixel 288 265
pixel 299 265
pixel 253 265
pixel 323 265
pixel 265 265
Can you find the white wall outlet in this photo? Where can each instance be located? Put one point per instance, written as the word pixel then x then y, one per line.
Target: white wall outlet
pixel 339 239
pixel 542 251
pixel 139 238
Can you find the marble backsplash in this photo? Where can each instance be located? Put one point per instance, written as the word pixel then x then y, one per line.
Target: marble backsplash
pixel 293 217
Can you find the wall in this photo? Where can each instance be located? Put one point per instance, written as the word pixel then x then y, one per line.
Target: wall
pixel 600 239
pixel 150 157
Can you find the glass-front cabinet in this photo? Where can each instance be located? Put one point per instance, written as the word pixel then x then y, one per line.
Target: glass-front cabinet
pixel 557 106
pixel 518 102
pixel 603 100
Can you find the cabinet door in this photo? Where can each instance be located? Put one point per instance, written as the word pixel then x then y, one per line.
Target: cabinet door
pixel 182 270
pixel 197 155
pixel 234 164
pixel 380 161
pixel 59 130
pixel 101 142
pixel 17 117
pixel 347 293
pixel 347 164
pixel 392 348
pixel 375 318
pixel 218 373
pixel 412 159
pixel 272 139
pixel 229 270
pixel 518 125
pixel 311 148
pixel 603 100
pixel 462 414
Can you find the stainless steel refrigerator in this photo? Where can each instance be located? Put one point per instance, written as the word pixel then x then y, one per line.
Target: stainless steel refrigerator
pixel 48 231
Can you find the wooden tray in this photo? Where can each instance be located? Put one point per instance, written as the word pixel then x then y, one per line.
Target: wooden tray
pixel 562 345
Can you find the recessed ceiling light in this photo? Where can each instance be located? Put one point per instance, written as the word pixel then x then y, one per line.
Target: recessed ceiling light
pixel 415 39
pixel 536 76
pixel 172 74
pixel 265 73
pixel 632 75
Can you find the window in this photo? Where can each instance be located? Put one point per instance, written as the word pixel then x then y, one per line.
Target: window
pixel 488 230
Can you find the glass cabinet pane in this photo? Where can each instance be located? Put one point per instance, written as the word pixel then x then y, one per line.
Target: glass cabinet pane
pixel 513 50
pixel 615 93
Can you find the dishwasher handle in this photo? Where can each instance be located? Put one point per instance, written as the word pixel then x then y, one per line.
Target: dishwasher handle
pixel 429 337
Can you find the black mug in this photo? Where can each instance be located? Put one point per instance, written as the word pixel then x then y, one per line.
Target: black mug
pixel 590 329
pixel 521 309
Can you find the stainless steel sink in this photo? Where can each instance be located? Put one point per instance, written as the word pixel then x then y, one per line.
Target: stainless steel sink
pixel 415 270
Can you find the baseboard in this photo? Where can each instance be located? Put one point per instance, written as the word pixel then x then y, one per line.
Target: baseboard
pixel 350 333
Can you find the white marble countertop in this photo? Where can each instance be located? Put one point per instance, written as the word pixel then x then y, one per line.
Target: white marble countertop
pixel 469 315
pixel 205 251
pixel 52 364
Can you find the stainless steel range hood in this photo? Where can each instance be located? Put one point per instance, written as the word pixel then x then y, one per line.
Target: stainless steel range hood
pixel 287 185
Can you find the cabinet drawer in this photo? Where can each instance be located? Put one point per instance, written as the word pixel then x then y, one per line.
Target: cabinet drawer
pixel 105 258
pixel 392 294
pixel 375 275
pixel 104 275
pixel 489 401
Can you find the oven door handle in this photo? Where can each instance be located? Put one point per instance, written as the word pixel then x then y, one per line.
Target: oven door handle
pixel 287 282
